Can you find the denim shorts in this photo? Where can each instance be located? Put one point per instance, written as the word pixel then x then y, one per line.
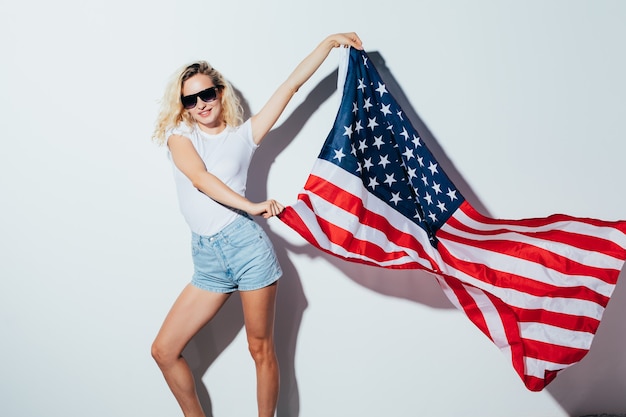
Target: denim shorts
pixel 239 257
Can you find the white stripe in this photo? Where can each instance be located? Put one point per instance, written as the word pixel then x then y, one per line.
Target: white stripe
pixel 490 315
pixel 556 335
pixel 516 298
pixel 488 310
pixel 342 72
pixel 521 267
pixel 322 240
pixel 585 257
pixel 350 222
pixel 537 367
pixel 572 226
pixel 353 185
pixel 449 292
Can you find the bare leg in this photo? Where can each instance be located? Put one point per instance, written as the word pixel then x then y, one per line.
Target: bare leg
pixel 258 311
pixel 191 311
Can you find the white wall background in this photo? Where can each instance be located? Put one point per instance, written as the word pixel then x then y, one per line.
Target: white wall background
pixel 524 100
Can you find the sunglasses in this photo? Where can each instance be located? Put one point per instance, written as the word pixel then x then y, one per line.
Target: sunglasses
pixel 208 95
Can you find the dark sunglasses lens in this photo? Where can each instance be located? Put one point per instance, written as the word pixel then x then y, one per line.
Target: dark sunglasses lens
pixel 208 95
pixel 189 102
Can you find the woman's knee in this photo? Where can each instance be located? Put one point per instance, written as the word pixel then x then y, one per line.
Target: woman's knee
pixel 262 350
pixel 162 354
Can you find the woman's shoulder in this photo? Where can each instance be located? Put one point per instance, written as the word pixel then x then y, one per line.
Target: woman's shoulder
pixel 244 131
pixel 182 129
pixel 245 126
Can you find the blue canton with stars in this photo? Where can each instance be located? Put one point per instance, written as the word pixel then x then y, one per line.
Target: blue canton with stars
pixel 372 139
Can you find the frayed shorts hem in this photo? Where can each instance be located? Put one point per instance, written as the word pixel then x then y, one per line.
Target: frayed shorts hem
pixel 201 286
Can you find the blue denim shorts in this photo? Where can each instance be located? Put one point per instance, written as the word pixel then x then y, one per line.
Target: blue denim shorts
pixel 239 257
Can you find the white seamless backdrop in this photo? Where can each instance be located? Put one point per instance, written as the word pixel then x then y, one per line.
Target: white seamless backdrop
pixel 523 101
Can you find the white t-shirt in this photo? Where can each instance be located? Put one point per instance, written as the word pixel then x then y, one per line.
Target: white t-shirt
pixel 226 155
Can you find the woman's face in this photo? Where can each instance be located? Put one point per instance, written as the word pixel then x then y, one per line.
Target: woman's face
pixel 208 115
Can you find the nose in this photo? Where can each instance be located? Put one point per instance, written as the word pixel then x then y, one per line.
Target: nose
pixel 200 103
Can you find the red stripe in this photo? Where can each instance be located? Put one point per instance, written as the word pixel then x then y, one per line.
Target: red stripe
pixel 344 239
pixel 290 217
pixel 354 205
pixel 577 240
pixel 552 318
pixel 468 304
pixel 349 242
pixel 537 255
pixel 506 280
pixel 505 316
pixel 537 384
pixel 553 353
pixel 540 222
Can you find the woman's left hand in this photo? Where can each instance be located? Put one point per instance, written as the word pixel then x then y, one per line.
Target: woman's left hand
pixel 346 39
pixel 267 209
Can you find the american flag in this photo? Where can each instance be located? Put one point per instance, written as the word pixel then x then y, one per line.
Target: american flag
pixel 536 287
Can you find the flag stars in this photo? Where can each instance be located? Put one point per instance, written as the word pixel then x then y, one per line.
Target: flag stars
pixel 433 168
pixel 381 89
pixel 389 179
pixel 367 104
pixel 395 198
pixel 348 131
pixel 339 154
pixel 372 123
pixel 358 126
pixel 384 160
pixel 379 146
pixel 451 194
pixel 378 141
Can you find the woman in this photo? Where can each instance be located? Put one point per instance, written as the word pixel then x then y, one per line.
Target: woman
pixel 211 149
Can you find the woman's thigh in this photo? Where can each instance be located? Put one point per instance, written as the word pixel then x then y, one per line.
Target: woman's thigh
pixel 193 308
pixel 259 308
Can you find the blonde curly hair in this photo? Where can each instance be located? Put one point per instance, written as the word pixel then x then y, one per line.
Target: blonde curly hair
pixel 172 111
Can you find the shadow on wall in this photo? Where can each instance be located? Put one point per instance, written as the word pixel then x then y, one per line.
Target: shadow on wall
pixel 595 385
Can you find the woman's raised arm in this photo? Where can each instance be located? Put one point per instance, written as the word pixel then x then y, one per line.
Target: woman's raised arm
pixel 264 120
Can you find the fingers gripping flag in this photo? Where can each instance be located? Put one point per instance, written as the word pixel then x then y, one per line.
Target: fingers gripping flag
pixel 536 287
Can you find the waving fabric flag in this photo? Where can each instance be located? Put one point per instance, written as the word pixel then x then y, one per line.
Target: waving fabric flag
pixel 536 287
